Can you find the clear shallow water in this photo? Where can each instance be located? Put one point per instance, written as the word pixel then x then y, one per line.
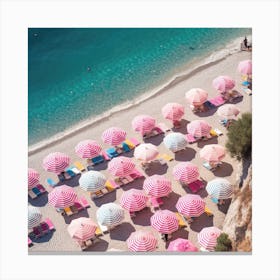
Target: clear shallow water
pixel 77 73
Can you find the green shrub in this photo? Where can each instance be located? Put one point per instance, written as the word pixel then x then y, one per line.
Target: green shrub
pixel 223 243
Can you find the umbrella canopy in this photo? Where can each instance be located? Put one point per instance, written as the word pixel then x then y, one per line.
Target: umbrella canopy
pixel 173 111
pixel 92 181
pixel 33 178
pixel 157 186
pixel 141 241
pixel 207 237
pixel 245 67
pixel 223 83
pixel 34 216
pixel 110 214
pixel 88 149
pixel 191 205
pixel 212 153
pixel 219 188
pixel 185 172
pixel 133 200
pixel 121 166
pixel 196 96
pixel 146 152
pixel 143 124
pixel 113 136
pixel 181 245
pixel 175 141
pixel 199 128
pixel 228 111
pixel 82 229
pixel 164 221
pixel 62 197
pixel 56 162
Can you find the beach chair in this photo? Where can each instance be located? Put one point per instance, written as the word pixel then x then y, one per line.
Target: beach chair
pixel 98 159
pixel 84 202
pixel 129 144
pixel 111 184
pixel 80 166
pixel 51 182
pixel 136 174
pixel 190 138
pixel 196 186
pixel 181 220
pixel 70 172
pixel 134 141
pixel 36 191
pixel 49 223
pixel 44 227
pixel 215 200
pixel 61 177
pixel 218 131
pixel 32 194
pixel 78 205
pixel 213 133
pixel 75 170
pixel 66 175
pixel 208 212
pixel 112 152
pixel 125 147
pixel 104 229
pixel 208 166
pixel 41 188
pixel 68 211
pixel 98 232
pixel 37 232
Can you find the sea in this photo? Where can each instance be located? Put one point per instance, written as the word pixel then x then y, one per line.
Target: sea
pixel 79 74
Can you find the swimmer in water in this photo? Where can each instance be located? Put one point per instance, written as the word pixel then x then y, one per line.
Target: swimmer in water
pixel 191 48
pixel 88 69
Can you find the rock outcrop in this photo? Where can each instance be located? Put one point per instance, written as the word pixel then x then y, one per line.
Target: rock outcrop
pixel 238 221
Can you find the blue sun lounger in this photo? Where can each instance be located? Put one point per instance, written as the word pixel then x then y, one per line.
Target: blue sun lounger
pixel 125 147
pixel 98 159
pixel 112 152
pixel 51 182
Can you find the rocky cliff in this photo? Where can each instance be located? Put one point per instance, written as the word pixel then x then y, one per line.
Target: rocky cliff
pixel 238 221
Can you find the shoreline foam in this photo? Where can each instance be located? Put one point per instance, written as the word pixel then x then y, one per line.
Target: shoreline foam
pixel 195 66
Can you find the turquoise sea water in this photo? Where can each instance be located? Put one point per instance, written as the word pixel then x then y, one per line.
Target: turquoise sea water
pixel 76 73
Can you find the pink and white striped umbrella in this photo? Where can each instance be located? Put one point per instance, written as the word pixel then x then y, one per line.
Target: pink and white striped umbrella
pixel 56 162
pixel 186 172
pixel 62 197
pixel 245 67
pixel 141 241
pixel 228 111
pixel 212 153
pixel 157 186
pixel 165 221
pixel 33 178
pixel 82 229
pixel 199 128
pixel 191 205
pixel 223 83
pixel 146 152
pixel 88 149
pixel 121 166
pixel 181 245
pixel 143 124
pixel 207 237
pixel 196 96
pixel 173 111
pixel 133 200
pixel 113 136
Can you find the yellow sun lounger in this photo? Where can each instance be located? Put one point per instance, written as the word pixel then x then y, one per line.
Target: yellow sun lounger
pixel 181 220
pixel 208 211
pixel 213 133
pixel 79 166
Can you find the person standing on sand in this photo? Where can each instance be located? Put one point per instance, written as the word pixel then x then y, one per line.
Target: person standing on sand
pixel 245 42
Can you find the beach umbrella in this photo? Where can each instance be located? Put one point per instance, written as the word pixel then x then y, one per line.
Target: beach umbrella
pixel 121 166
pixel 88 149
pixel 62 197
pixel 173 111
pixel 165 221
pixel 196 96
pixel 245 67
pixel 133 200
pixel 207 237
pixel 82 229
pixel 34 216
pixel 146 152
pixel 113 136
pixel 175 141
pixel 181 245
pixel 212 153
pixel 56 162
pixel 223 83
pixel 185 172
pixel 143 124
pixel 33 178
pixel 191 205
pixel 219 188
pixel 92 181
pixel 157 186
pixel 228 111
pixel 141 241
pixel 110 214
pixel 199 128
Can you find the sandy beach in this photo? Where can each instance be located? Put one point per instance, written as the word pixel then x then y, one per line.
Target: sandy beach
pixel 60 241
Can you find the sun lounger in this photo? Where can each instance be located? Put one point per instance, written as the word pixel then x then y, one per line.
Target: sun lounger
pixel 208 166
pixel 196 186
pixel 134 141
pixel 125 147
pixel 51 182
pixel 247 91
pixel 215 200
pixel 208 211
pixel 75 170
pixel 98 159
pixel 41 188
pixel 80 166
pixel 61 177
pixel 213 133
pixel 32 194
pixel 98 232
pixel 111 184
pixel 112 152
pixel 75 209
pixel 66 175
pixel 49 223
pixel 181 220
pixel 218 131
pixel 68 211
pixel 104 229
pixel 44 227
pixel 217 101
pixel 30 243
pixel 36 191
pixel 70 172
pixel 78 205
pixel 166 157
pixel 190 138
pixel 84 202
pixel 129 144
pixel 37 232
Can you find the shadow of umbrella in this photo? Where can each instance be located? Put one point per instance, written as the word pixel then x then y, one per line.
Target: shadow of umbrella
pixel 100 166
pixel 201 222
pixel 224 207
pixel 122 232
pixel 39 201
pixel 143 217
pixel 183 128
pixel 185 155
pixel 170 202
pixel 224 170
pixel 155 140
pixel 202 143
pixel 72 182
pixel 180 233
pixel 43 239
pixel 136 184
pixel 156 168
pixel 98 246
pixel 107 198
pixel 83 213
pixel 209 112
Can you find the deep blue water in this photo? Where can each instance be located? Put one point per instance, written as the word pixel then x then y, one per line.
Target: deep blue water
pixel 76 73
